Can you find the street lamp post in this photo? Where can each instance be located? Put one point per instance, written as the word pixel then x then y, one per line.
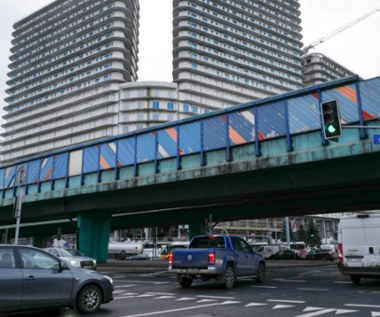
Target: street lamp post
pixel 20 177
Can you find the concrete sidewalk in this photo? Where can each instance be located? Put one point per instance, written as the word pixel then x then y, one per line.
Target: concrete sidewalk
pixel 161 265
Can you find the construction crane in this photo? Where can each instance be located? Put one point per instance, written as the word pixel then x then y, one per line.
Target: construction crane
pixel 337 31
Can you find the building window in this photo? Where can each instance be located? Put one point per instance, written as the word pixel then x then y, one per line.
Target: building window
pixel 156 105
pixel 185 107
pixel 170 106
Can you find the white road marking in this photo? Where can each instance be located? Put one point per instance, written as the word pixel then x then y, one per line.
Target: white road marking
pixel 287 301
pixel 186 298
pixel 157 293
pixel 255 304
pixel 173 310
pixel 312 308
pixel 206 300
pixel 362 305
pixel 313 289
pixel 216 297
pixel 161 283
pixel 229 302
pixel 271 287
pixel 375 313
pixel 342 282
pixel 289 281
pixel 164 297
pixel 282 306
pixel 146 295
pixel 318 313
pixel 345 311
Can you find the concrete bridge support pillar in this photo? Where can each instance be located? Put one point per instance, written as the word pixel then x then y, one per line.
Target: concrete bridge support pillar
pixel 197 227
pixel 94 230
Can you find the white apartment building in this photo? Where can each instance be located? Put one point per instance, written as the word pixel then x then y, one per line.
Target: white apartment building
pixel 74 68
pixel 233 51
pixel 67 61
pixel 319 68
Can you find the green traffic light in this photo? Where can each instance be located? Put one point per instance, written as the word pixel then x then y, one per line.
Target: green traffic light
pixel 331 128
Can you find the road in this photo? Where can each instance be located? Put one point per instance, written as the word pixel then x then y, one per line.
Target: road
pixel 317 289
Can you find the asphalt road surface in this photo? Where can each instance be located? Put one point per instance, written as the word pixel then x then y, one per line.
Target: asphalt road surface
pixel 290 290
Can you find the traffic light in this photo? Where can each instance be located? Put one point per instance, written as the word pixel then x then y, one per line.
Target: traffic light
pixel 331 119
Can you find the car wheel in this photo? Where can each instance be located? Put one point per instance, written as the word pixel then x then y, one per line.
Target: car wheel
pixel 122 255
pixel 89 299
pixel 261 273
pixel 229 277
pixel 355 279
pixel 186 282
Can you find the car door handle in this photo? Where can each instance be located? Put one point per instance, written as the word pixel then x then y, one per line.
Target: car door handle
pixel 30 278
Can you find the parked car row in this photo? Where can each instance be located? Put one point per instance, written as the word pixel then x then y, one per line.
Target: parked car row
pixel 34 279
pixel 313 254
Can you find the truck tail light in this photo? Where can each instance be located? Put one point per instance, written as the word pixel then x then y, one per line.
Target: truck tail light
pixel 340 252
pixel 170 258
pixel 211 258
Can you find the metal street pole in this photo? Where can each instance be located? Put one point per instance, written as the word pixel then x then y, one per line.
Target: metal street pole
pixel 20 177
pixel 287 231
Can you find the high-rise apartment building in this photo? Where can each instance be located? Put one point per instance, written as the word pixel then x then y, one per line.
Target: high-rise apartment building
pixel 66 65
pixel 318 68
pixel 74 67
pixel 232 51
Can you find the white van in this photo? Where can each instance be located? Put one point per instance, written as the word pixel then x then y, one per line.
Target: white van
pixel 267 250
pixel 359 246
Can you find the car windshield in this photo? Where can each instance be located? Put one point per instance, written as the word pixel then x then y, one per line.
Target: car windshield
pixel 74 252
pixel 65 253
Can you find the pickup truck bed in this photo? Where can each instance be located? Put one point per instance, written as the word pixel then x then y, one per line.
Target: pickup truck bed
pixel 223 258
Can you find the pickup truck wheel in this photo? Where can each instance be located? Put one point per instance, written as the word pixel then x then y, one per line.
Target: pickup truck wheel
pixel 229 277
pixel 261 273
pixel 355 279
pixel 186 282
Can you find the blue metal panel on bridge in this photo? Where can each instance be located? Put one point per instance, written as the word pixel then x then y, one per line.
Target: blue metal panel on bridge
pixel 255 122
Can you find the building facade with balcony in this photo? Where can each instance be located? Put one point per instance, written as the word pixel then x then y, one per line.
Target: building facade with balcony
pixel 233 51
pixel 318 68
pixel 74 68
pixel 67 61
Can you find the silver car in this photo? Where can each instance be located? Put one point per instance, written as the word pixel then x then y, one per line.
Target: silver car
pixel 33 279
pixel 73 257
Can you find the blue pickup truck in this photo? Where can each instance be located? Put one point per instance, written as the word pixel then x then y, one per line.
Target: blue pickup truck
pixel 222 257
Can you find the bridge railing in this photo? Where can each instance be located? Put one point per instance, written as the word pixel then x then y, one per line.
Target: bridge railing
pixel 278 117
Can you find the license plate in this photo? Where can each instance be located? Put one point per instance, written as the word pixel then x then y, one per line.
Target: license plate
pixel 354 259
pixel 192 271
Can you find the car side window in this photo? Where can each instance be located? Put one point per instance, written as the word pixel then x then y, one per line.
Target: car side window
pixel 36 259
pixel 236 244
pixel 7 259
pixel 245 246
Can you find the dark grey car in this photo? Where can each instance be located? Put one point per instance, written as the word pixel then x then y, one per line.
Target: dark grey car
pixel 32 279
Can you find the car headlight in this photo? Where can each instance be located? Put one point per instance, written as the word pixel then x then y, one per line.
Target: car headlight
pixel 108 278
pixel 94 262
pixel 75 263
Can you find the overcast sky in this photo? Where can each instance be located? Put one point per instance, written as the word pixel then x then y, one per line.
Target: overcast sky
pixel 357 48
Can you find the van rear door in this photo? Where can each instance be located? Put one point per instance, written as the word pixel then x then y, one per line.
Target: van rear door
pixel 371 241
pixel 353 242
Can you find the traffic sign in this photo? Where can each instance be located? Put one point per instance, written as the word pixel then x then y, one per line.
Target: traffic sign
pixel 376 139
